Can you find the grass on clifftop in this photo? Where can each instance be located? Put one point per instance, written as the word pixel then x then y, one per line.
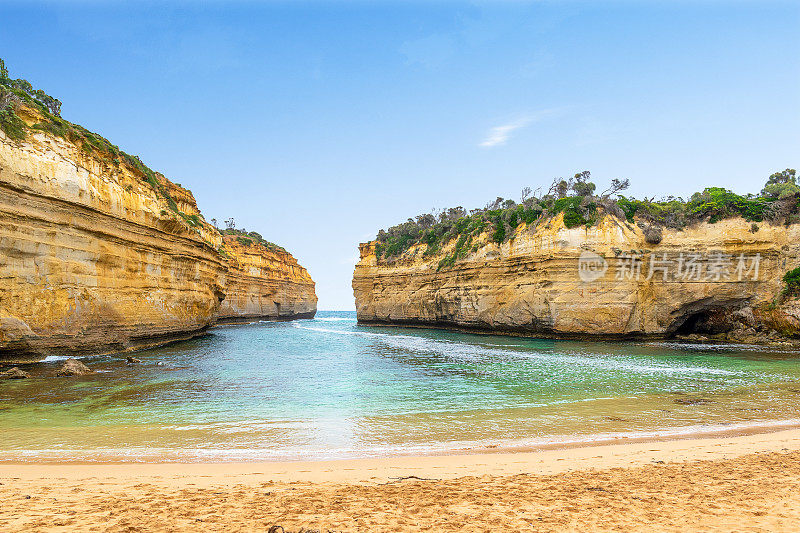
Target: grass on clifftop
pixel 250 238
pixel 777 203
pixel 18 93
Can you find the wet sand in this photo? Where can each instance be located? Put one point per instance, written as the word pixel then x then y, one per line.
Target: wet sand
pixel 732 483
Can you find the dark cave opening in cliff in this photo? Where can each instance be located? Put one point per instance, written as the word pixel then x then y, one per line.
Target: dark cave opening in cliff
pixel 705 318
pixel 703 323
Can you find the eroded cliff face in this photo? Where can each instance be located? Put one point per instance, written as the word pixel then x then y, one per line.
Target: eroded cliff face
pixel 265 282
pixel 603 281
pixel 97 257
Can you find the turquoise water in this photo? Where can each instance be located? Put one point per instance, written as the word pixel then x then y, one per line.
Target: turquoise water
pixel 327 388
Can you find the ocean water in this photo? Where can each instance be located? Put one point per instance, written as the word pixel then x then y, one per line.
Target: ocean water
pixel 329 388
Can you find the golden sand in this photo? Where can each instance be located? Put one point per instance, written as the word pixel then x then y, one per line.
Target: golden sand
pixel 743 483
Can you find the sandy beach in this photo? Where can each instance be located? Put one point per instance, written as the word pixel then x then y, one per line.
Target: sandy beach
pixel 732 483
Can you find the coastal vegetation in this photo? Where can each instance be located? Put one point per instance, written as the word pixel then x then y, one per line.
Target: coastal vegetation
pixel 250 238
pixel 777 203
pixel 792 281
pixel 18 94
pixel 18 98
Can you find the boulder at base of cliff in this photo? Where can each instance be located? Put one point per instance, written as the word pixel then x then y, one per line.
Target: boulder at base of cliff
pixel 14 373
pixel 73 367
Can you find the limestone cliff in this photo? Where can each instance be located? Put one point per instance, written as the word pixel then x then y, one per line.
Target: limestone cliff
pixel 99 254
pixel 601 281
pixel 265 281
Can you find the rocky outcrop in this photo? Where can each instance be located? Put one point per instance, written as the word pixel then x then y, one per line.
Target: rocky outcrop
pixel 92 257
pixel 98 254
pixel 14 373
pixel 265 281
pixel 609 280
pixel 73 367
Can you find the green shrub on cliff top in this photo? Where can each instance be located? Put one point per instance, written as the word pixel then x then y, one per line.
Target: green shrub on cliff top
pixel 578 211
pixel 11 124
pixel 781 185
pixel 246 238
pixel 717 203
pixel 19 92
pixel 779 202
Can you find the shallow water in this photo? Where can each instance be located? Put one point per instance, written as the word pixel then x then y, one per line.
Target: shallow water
pixel 328 388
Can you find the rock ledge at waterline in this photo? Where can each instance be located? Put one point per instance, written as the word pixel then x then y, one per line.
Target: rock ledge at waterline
pixel 532 283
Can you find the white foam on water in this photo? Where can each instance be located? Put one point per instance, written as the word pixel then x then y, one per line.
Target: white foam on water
pixel 339 331
pixel 56 358
pixel 480 352
pixel 254 453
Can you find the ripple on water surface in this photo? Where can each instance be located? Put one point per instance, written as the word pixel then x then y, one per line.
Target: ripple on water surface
pixel 327 387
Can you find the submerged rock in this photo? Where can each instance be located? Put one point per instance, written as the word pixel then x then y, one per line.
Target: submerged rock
pixel 14 373
pixel 692 401
pixel 693 337
pixel 73 367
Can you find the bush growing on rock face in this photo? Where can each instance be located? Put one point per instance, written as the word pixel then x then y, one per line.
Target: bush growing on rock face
pixel 652 234
pixel 10 123
pixel 779 202
pixel 792 281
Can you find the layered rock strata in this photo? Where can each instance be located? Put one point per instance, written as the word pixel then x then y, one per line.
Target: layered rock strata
pixel 265 282
pixel 92 259
pixel 98 255
pixel 602 281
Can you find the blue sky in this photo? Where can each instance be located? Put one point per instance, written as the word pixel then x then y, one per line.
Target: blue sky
pixel 317 124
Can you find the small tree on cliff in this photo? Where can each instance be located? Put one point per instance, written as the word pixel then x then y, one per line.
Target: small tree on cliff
pixel 781 185
pixel 581 184
pixel 617 186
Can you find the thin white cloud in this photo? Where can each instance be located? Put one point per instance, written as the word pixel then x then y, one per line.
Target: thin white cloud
pixel 499 135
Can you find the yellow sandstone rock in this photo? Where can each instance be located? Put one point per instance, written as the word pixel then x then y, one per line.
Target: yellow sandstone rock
pixel 601 281
pixel 94 259
pixel 265 282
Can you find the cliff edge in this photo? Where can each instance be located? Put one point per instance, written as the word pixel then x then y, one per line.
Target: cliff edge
pixel 100 254
pixel 264 281
pixel 609 278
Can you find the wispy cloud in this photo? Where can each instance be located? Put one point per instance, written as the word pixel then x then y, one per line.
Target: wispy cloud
pixel 499 135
